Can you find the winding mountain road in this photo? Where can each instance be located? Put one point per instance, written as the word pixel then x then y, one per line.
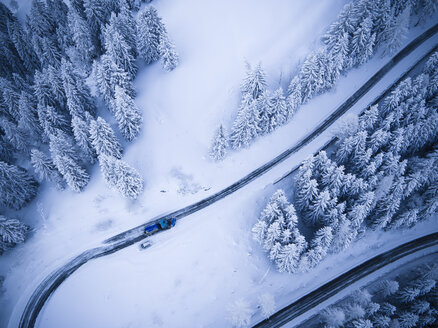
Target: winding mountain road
pixel 134 235
pixel 336 285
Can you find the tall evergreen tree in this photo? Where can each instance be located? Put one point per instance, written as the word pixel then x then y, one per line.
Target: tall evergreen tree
pixel 81 36
pixel 395 32
pixel 67 162
pixel 363 41
pixel 255 81
pixel 119 50
pixel 127 114
pixel 246 126
pixel 103 139
pixel 45 169
pixel 121 176
pixel 278 110
pixel 17 188
pixel 149 29
pixel 12 232
pixel 294 96
pixel 81 132
pixel 168 54
pixel 219 146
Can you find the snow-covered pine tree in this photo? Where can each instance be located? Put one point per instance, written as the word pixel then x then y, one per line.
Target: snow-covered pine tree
pixel 81 132
pixel 119 175
pixel 16 136
pixel 97 13
pixel 318 210
pixel 126 26
pixel 245 127
pixel 255 81
pixel 263 108
pixel 103 139
pixel 388 288
pixel 149 30
pixel 362 43
pixel 294 96
pixel 395 32
pixel 108 75
pixel 127 114
pixel 278 110
pixel 17 188
pixel 45 169
pixel 81 36
pixel 12 232
pixel 219 145
pixel 408 320
pixel 333 317
pixel 323 238
pixel 119 50
pixel 168 54
pixel 29 116
pixel 77 92
pixel 66 160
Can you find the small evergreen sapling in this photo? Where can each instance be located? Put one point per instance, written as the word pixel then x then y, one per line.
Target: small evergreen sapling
pixel 219 146
pixel 240 313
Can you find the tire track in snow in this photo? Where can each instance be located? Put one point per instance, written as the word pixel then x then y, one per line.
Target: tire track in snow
pixel 331 288
pixel 134 235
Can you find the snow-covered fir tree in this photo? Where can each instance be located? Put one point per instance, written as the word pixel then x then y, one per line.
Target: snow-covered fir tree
pixel 17 188
pixel 103 139
pixel 67 162
pixel 121 176
pixel 84 48
pixel 278 110
pixel 168 54
pixel 294 96
pixel 149 29
pixel 81 132
pixel 362 43
pixel 126 113
pixel 219 145
pixel 255 81
pixel 240 313
pixel 108 75
pixel 120 51
pixel 12 232
pixel 395 32
pixel 245 127
pixel 277 232
pixel 45 169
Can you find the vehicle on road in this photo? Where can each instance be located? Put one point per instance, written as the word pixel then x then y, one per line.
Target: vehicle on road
pixel 162 224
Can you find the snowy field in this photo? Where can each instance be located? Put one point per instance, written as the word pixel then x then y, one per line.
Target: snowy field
pixel 191 274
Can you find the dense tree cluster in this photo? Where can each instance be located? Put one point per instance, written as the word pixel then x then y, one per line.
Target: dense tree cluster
pixel 382 174
pixel 362 27
pixel 406 302
pixel 48 116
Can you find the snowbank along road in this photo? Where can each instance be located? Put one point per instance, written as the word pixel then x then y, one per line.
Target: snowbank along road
pixel 134 235
pixel 336 285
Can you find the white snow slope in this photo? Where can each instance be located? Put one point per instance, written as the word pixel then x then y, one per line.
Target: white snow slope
pixel 208 260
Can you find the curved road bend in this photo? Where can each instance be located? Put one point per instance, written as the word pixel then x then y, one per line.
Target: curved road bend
pixel 129 237
pixel 336 285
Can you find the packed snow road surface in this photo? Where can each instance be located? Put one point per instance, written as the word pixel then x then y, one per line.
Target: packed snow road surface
pixel 132 236
pixel 328 290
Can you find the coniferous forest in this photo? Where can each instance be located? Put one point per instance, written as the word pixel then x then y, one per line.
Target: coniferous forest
pixel 51 129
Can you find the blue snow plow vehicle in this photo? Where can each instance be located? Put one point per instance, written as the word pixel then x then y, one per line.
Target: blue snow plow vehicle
pixel 162 224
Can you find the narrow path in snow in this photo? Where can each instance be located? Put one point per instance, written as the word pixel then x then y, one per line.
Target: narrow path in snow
pixel 134 235
pixel 341 282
